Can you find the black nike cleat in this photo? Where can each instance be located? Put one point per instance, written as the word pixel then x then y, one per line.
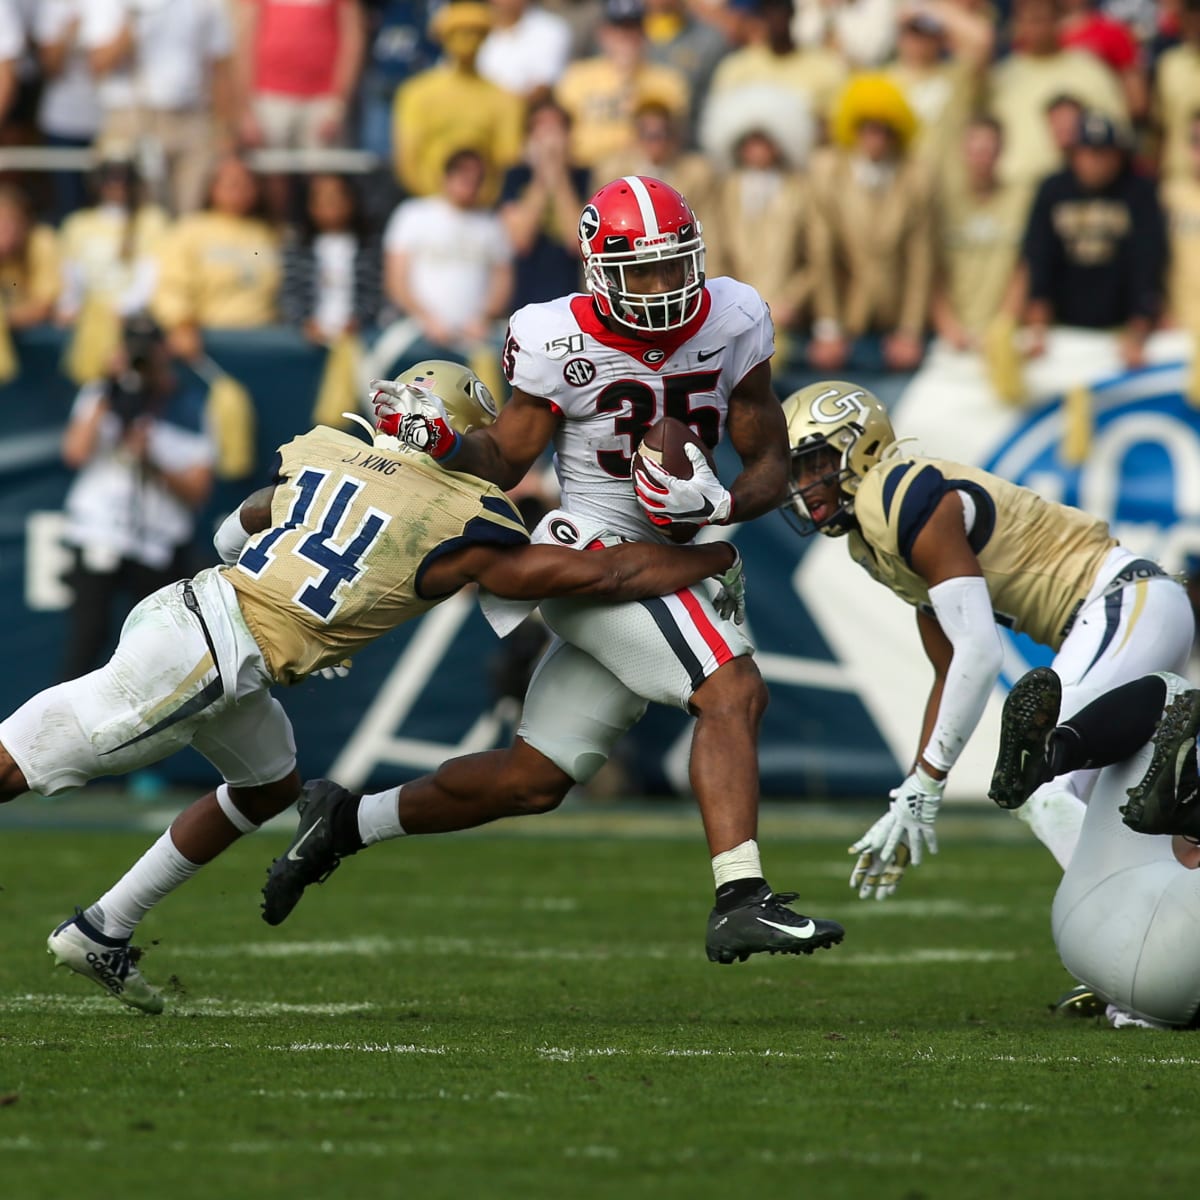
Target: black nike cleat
pixel 764 924
pixel 1030 714
pixel 311 858
pixel 1167 800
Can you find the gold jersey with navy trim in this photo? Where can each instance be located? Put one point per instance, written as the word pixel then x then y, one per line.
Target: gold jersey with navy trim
pixel 1039 559
pixel 354 528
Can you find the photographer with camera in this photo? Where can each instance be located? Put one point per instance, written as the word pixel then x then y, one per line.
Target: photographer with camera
pixel 145 463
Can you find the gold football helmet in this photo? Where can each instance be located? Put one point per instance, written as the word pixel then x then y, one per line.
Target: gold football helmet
pixel 844 428
pixel 467 400
pixel 465 396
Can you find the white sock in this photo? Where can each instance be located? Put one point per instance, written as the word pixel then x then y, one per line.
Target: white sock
pixel 742 862
pixel 379 817
pixel 1056 817
pixel 159 871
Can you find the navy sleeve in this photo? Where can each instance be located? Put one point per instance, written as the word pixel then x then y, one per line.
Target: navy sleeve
pixel 923 496
pixel 479 531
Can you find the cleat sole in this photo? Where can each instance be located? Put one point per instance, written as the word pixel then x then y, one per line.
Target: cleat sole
pixel 1030 712
pixel 1174 732
pixel 725 957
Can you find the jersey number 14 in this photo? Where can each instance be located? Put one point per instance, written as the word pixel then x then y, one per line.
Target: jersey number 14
pixel 316 540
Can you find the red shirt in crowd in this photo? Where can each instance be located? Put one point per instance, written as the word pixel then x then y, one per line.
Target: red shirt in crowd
pixel 295 46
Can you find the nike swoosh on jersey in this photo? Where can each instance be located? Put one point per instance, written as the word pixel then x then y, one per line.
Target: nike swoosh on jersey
pixel 307 833
pixel 803 932
pixel 704 356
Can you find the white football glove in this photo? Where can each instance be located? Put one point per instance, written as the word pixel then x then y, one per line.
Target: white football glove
pixel 730 601
pixel 415 416
pixel 898 837
pixel 337 671
pixel 666 499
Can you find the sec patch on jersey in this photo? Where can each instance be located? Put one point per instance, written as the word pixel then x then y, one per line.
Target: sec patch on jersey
pixel 663 445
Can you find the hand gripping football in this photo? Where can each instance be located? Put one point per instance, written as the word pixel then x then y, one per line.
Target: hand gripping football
pixel 663 445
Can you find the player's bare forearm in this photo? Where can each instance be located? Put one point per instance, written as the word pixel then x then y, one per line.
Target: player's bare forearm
pixel 632 571
pixel 503 452
pixel 640 571
pixel 940 652
pixel 758 432
pixel 479 455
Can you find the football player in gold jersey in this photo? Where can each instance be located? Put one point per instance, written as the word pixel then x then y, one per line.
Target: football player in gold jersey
pixel 353 540
pixel 970 551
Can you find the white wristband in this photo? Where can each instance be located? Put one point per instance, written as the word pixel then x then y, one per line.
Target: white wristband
pixel 230 539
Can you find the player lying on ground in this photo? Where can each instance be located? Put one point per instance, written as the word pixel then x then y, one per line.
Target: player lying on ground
pixel 970 551
pixel 1126 913
pixel 592 374
pixel 352 541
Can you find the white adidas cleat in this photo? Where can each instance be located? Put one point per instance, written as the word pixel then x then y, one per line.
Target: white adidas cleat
pixel 109 962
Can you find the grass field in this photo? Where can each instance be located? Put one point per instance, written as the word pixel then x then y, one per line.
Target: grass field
pixel 529 1013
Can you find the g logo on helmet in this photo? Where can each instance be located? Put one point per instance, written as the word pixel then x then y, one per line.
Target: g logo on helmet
pixel 832 407
pixel 589 224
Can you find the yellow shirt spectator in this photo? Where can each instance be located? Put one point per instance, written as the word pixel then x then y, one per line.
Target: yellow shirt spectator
pixel 979 241
pixel 31 281
pixel 818 73
pixel 112 254
pixel 446 109
pixel 943 97
pixel 602 101
pixel 1177 96
pixel 762 219
pixel 870 244
pixel 1022 86
pixel 1181 200
pixel 218 270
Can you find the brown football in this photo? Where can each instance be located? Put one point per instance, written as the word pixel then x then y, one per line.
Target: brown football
pixel 663 445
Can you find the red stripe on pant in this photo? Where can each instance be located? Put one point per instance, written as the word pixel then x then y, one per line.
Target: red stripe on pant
pixel 715 642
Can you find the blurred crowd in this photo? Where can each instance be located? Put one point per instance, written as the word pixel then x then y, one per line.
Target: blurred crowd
pixel 883 171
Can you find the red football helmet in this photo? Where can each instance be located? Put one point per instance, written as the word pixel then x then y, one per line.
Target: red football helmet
pixel 643 254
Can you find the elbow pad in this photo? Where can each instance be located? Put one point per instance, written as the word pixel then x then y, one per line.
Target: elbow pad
pixel 963 608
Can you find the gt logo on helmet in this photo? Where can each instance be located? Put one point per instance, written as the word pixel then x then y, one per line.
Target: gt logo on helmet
pixel 833 406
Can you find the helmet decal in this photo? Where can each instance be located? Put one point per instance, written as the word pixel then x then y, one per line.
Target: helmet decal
pixel 482 395
pixel 589 223
pixel 833 406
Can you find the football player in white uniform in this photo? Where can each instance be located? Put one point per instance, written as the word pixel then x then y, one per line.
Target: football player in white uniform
pixel 352 541
pixel 969 551
pixel 1125 915
pixel 591 373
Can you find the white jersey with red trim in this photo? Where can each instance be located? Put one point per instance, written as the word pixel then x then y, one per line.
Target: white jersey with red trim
pixel 610 388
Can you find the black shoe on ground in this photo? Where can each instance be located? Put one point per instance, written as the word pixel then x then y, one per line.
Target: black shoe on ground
pixel 1167 800
pixel 765 923
pixel 311 858
pixel 1080 1001
pixel 1030 713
